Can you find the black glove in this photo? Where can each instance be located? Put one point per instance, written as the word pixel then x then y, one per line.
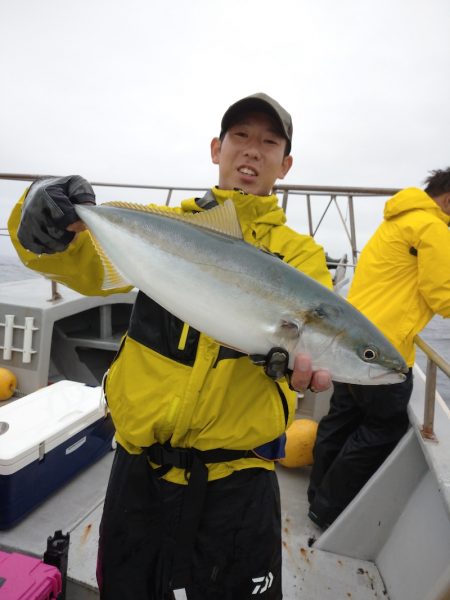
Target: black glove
pixel 48 210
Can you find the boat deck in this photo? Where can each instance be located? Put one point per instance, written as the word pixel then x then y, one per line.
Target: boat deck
pixel 308 573
pixel 311 574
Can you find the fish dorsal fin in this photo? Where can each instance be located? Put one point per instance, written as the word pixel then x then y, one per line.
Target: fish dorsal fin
pixel 111 277
pixel 221 218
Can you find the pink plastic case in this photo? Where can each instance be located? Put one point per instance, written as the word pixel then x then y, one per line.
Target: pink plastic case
pixel 23 577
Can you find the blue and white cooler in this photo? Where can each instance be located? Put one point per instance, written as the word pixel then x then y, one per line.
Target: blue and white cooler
pixel 46 438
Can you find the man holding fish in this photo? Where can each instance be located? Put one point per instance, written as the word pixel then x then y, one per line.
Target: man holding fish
pixel 233 315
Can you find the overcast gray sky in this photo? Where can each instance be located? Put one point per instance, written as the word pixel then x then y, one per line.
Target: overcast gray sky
pixel 133 91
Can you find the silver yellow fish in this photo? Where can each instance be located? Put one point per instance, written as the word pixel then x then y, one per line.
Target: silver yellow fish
pixel 199 268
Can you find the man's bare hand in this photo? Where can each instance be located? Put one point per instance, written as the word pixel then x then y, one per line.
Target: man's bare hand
pixel 76 227
pixel 303 377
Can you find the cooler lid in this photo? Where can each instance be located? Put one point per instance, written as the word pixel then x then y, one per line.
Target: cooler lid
pixel 50 415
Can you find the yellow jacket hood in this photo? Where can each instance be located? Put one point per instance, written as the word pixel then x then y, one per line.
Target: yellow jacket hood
pixel 411 199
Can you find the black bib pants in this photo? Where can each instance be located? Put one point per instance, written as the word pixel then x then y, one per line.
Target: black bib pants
pixel 362 427
pixel 237 549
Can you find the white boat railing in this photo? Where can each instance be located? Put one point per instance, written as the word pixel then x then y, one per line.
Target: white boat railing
pixel 334 196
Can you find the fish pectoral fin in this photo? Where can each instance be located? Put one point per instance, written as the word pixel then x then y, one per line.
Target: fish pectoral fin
pixel 111 277
pixel 221 218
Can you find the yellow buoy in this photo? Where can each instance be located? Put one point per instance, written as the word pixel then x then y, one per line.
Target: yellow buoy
pixel 8 384
pixel 300 438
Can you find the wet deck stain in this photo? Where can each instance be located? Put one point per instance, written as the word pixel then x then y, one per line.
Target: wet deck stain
pixel 86 533
pixel 370 582
pixel 304 554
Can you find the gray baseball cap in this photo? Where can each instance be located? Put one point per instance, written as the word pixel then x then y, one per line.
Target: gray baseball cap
pixel 259 102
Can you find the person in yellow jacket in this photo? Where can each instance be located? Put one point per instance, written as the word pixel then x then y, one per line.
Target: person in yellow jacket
pixel 402 279
pixel 192 500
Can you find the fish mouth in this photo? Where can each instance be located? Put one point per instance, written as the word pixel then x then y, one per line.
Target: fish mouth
pixel 381 375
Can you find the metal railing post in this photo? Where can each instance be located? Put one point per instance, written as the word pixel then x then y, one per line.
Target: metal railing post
pixel 284 201
pixel 434 362
pixel 427 429
pixel 351 213
pixel 310 222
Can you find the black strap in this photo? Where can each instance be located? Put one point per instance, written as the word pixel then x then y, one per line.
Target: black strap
pixel 183 458
pixel 194 462
pixel 275 363
pixel 207 201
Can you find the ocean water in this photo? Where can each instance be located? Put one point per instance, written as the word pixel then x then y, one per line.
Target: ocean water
pixel 436 334
pixel 11 269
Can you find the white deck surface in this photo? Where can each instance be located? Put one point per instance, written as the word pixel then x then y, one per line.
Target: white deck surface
pixel 309 574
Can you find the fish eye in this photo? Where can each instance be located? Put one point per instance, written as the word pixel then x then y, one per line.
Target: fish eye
pixel 369 354
pixel 326 311
pixel 319 312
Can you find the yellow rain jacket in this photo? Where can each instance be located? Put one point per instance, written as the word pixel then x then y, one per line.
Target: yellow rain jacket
pixel 170 381
pixel 403 275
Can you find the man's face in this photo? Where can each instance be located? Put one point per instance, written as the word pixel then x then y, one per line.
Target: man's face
pixel 443 202
pixel 447 204
pixel 251 155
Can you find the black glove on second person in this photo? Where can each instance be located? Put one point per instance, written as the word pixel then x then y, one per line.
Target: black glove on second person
pixel 48 210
